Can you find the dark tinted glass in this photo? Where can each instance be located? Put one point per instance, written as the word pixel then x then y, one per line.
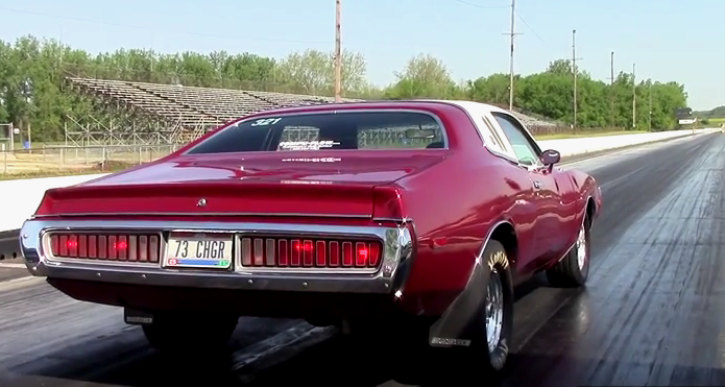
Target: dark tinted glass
pixel 360 130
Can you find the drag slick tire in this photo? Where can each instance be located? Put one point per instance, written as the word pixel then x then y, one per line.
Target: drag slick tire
pixel 412 360
pixel 489 330
pixel 492 325
pixel 573 270
pixel 184 332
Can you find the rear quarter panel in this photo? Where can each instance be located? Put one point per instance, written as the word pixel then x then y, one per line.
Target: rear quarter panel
pixel 454 205
pixel 580 188
pixel 586 186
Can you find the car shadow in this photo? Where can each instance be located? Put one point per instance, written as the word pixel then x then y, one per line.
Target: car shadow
pixel 338 363
pixel 128 360
pixel 530 285
pixel 333 362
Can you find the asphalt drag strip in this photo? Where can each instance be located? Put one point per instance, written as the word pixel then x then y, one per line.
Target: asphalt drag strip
pixel 655 248
pixel 652 311
pixel 11 263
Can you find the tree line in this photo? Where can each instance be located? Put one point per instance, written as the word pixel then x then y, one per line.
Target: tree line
pixel 718 112
pixel 32 93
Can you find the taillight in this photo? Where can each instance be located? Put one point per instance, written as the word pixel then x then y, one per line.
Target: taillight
pixel 106 247
pixel 310 253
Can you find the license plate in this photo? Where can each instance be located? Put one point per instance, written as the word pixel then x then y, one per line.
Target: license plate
pixel 199 250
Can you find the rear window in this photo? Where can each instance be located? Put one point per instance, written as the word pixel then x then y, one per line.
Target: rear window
pixel 358 130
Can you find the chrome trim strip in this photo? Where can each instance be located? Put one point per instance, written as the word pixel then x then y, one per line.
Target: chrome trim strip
pixel 46 248
pixel 218 215
pixel 197 214
pixel 566 253
pixel 493 228
pixel 394 220
pixel 397 251
pixel 345 270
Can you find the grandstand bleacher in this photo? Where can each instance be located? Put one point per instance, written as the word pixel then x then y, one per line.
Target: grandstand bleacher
pixel 197 109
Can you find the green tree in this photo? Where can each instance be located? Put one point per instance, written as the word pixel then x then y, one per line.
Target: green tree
pixel 312 72
pixel 423 77
pixel 34 94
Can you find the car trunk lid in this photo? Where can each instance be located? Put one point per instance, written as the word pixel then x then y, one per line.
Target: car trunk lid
pixel 259 185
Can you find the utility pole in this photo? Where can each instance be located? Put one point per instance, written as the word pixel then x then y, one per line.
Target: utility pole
pixel 650 104
pixel 611 89
pixel 574 71
pixel 512 33
pixel 634 98
pixel 338 54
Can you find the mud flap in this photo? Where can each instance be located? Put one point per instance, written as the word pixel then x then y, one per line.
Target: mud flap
pixel 457 326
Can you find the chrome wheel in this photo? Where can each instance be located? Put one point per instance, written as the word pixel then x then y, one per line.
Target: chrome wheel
pixel 581 247
pixel 494 310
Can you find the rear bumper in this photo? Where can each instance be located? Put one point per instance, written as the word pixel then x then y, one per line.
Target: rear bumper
pixel 397 255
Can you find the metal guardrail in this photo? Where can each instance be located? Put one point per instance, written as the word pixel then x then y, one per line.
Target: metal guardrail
pixel 60 158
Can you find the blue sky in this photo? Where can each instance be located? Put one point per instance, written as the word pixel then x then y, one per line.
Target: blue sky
pixel 667 39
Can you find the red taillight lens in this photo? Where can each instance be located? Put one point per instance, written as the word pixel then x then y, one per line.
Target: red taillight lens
pixel 310 253
pixel 110 247
pixel 320 254
pixel 334 253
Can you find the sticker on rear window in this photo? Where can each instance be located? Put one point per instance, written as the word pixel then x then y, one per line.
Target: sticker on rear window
pixel 266 121
pixel 306 182
pixel 307 145
pixel 313 160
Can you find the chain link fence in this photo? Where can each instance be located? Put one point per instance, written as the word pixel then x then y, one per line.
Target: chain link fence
pixel 48 160
pixel 62 159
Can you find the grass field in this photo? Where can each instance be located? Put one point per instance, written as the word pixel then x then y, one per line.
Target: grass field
pixel 59 173
pixel 565 136
pixel 48 162
pixel 718 121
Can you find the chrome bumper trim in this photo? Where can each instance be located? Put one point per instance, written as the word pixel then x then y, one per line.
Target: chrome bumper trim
pixel 397 252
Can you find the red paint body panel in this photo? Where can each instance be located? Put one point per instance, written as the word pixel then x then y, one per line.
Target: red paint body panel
pixel 261 183
pixel 454 196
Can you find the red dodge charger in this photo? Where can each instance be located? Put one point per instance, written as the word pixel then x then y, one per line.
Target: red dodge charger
pixel 404 221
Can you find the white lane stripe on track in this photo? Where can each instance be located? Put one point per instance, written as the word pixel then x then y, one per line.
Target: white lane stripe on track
pixel 635 149
pixel 17 282
pixel 12 265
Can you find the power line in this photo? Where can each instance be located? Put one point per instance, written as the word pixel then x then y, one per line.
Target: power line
pixel 530 28
pixel 481 6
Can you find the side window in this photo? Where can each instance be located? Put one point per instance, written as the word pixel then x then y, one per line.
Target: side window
pixel 494 137
pixel 524 150
pixel 490 136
